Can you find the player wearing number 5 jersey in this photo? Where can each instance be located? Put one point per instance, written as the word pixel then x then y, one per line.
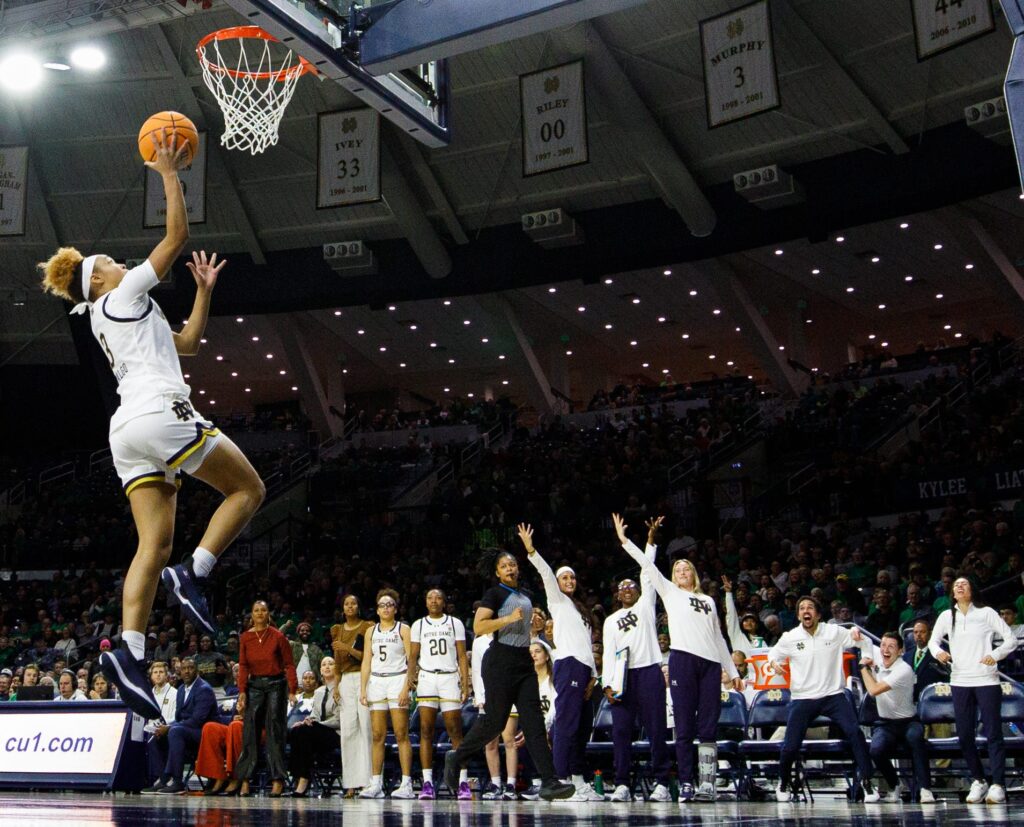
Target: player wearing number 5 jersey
pixel 156 434
pixel 439 672
pixel 385 687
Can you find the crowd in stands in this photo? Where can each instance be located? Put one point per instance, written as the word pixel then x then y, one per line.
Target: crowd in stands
pixel 458 410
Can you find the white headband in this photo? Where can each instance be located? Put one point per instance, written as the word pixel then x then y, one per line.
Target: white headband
pixel 565 569
pixel 88 264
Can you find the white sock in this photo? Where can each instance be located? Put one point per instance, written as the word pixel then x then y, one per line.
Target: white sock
pixel 428 776
pixel 406 780
pixel 202 562
pixel 464 776
pixel 136 642
pixel 511 781
pixel 496 780
pixel 376 781
pixel 536 782
pixel 577 781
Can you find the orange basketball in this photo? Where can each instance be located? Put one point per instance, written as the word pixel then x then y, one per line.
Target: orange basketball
pixel 173 122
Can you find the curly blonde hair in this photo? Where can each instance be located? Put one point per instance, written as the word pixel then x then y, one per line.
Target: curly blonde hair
pixel 60 274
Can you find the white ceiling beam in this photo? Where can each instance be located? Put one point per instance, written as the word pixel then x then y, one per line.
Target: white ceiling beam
pixel 413 151
pixel 815 49
pixel 233 199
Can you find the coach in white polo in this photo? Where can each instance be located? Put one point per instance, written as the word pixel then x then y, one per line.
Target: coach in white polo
pixel 890 680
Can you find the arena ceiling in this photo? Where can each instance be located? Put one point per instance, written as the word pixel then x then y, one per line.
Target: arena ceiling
pixel 876 137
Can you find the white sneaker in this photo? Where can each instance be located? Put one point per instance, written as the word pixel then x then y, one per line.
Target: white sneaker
pixel 873 797
pixel 896 793
pixel 927 796
pixel 586 793
pixel 373 791
pixel 404 791
pixel 783 796
pixel 621 793
pixel 978 791
pixel 660 793
pixel 706 792
pixel 996 795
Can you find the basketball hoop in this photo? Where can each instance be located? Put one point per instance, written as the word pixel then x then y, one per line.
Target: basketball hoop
pixel 253 88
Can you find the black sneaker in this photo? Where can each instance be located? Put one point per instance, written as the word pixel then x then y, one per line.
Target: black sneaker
pixel 531 793
pixel 129 676
pixel 552 790
pixel 451 770
pixel 158 785
pixel 174 787
pixel 183 587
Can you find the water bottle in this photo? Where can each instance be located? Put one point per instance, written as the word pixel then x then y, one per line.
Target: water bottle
pixel 598 783
pixel 673 786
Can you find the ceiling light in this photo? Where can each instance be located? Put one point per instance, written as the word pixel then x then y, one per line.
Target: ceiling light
pixel 778 252
pixel 188 375
pixel 20 72
pixel 504 381
pixel 664 370
pixel 466 322
pixel 447 302
pixel 270 355
pixel 401 364
pixel 360 331
pixel 947 327
pixel 234 373
pixel 248 390
pixel 608 281
pixel 255 338
pixel 295 387
pixel 451 361
pixel 908 278
pixel 392 308
pixel 730 364
pixel 808 321
pixel 552 289
pixel 711 356
pixel 1021 196
pixel 201 393
pixel 632 342
pixel 885 344
pixel 849 289
pixel 840 239
pixel 213 401
pixel 484 340
pixel 501 355
pixel 904 225
pixel 239 319
pixel 686 335
pixel 282 372
pixel 717 312
pixel 968 266
pixel 344 370
pixel 413 327
pixel 875 259
pixel 202 341
pixel 645 365
pixel 737 330
pixel 581 308
pixel 693 292
pixel 568 353
pixel 470 394
pixel 383 349
pixel 447 390
pixel 957 335
pixel 815 272
pixel 636 300
pixel 871 336
pixel 608 326
pixel 939 295
pixel 88 57
pixel 782 347
pixel 881 307
pixel 661 319
pixel 666 273
pixel 337 312
pixel 220 358
pixel 433 344
pixel 57 67
pixel 937 247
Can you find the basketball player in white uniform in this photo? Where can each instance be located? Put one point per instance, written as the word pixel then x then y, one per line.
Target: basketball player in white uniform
pixel 156 434
pixel 439 672
pixel 385 688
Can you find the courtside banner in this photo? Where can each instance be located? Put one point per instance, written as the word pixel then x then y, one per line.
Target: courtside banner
pixel 348 158
pixel 193 185
pixel 13 189
pixel 83 743
pixel 740 79
pixel 554 118
pixel 940 25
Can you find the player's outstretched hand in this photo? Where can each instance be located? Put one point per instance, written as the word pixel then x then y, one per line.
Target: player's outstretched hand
pixel 169 156
pixel 620 528
pixel 726 584
pixel 525 532
pixel 652 528
pixel 205 271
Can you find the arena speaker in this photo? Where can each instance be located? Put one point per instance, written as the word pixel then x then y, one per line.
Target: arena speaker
pixel 552 228
pixel 768 187
pixel 989 118
pixel 350 258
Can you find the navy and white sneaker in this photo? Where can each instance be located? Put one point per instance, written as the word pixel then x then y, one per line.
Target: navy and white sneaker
pixel 183 587
pixel 686 793
pixel 129 676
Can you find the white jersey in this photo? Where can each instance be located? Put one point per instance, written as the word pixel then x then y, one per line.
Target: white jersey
pixel 388 651
pixel 970 641
pixel 546 690
pixel 815 661
pixel 692 618
pixel 634 627
pixel 138 344
pixel 481 643
pixel 572 634
pixel 437 639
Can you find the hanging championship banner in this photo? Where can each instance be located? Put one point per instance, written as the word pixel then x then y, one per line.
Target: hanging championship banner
pixel 940 25
pixel 13 189
pixel 193 184
pixel 554 118
pixel 348 158
pixel 740 79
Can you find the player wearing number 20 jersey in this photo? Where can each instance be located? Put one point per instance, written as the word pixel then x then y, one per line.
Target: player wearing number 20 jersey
pixel 439 684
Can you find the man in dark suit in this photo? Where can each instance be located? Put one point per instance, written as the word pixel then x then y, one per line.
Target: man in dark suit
pixel 927 670
pixel 196 705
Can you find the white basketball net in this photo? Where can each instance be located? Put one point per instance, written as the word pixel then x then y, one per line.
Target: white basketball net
pixel 252 93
